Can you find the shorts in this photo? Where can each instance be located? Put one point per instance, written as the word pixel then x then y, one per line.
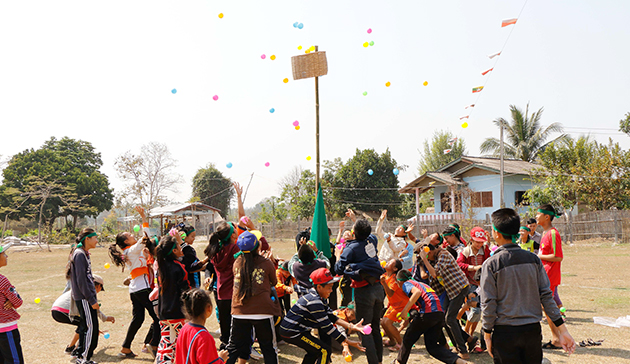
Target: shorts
pixel 474 314
pixel 392 314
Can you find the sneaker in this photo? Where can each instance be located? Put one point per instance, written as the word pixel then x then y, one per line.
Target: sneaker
pixel 144 349
pixel 255 355
pixel 70 349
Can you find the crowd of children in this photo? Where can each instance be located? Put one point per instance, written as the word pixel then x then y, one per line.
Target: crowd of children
pixel 448 280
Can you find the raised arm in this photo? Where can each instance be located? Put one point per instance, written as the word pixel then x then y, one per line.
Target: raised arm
pixel 351 215
pixel 379 224
pixel 239 192
pixel 342 225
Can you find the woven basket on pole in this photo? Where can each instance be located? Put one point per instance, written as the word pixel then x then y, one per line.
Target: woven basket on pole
pixel 309 65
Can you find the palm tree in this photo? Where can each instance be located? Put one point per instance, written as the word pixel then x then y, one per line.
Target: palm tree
pixel 525 138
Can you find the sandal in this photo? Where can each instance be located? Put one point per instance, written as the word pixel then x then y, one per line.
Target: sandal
pixel 128 355
pixel 551 346
pixel 395 348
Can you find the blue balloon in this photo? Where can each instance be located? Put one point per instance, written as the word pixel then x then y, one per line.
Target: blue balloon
pixel 106 335
pixel 300 26
pixel 395 171
pixel 370 172
pixel 174 90
pixel 295 25
pixel 272 110
pixel 229 165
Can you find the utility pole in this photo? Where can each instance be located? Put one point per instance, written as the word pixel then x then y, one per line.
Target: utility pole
pixel 501 172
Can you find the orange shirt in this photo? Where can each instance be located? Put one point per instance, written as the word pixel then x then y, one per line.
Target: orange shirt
pixel 399 299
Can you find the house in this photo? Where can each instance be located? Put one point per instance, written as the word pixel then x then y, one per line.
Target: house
pixel 472 184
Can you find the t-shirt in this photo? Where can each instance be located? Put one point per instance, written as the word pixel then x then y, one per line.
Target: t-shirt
pixel 529 245
pixel 552 244
pixel 399 299
pixel 203 349
pixel 428 301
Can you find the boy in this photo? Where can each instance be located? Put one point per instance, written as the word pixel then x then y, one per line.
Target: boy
pixel 10 348
pixel 427 320
pixel 535 235
pixel 396 302
pixel 513 287
pixel 525 240
pixel 310 312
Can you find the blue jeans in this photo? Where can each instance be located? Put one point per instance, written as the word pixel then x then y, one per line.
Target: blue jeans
pixel 369 303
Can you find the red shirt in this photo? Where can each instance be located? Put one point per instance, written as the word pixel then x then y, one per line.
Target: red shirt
pixel 223 263
pixel 552 244
pixel 203 349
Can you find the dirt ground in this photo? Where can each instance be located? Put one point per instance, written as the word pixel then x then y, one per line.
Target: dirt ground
pixel 594 283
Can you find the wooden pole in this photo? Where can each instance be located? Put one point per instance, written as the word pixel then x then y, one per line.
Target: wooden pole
pixel 316 130
pixel 417 212
pixel 501 174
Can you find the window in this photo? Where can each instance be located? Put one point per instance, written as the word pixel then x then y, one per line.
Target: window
pixel 481 199
pixel 519 199
pixel 445 201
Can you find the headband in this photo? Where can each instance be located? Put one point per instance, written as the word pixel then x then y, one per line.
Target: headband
pixel 451 233
pixel 172 248
pixel 227 238
pixel 440 238
pixel 547 212
pixel 526 228
pixel 454 227
pixel 80 245
pixel 514 237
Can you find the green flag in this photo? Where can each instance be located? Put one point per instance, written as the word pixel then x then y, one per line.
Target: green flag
pixel 319 230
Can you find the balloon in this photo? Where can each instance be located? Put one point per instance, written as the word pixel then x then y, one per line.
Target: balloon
pixel 387 84
pixel 383 263
pixel 371 43
pixel 215 97
pixel 383 333
pixel 426 249
pixel 297 127
pixel 136 228
pixel 312 48
pixel 272 110
pixel 370 31
pixel 263 56
pixel 364 93
pixel 106 265
pixel 370 172
pixel 395 171
pixel 107 336
pixel 229 165
pixel 174 91
pixel 293 301
pixel 286 80
pixel 563 310
pixel 300 26
pixel 273 57
pixel 296 123
pixel 220 15
pixel 425 83
pixel 267 164
pixel 308 158
pixel 367 330
pixel 38 300
pixel 464 125
pixel 348 358
pixel 295 25
pixel 366 44
pixel 307 51
pixel 299 48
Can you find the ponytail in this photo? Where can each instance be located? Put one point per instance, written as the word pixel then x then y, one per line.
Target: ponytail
pixel 218 239
pixel 244 287
pixel 195 302
pixel 78 240
pixel 164 253
pixel 116 255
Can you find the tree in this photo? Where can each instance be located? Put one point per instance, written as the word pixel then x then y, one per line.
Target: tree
pixel 525 137
pixel 624 124
pixel 211 187
pixel 272 209
pixel 354 187
pixel 148 175
pixel 433 157
pixel 298 193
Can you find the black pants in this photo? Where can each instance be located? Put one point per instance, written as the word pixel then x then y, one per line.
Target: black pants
pixel 346 291
pixel 285 303
pixel 241 339
pixel 316 350
pixel 10 347
pixel 332 299
pixel 517 344
pixel 429 324
pixel 453 328
pixel 369 303
pixel 140 302
pixel 225 321
pixel 88 330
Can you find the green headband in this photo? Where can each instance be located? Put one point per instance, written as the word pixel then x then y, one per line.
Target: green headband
pixel 440 238
pixel 172 248
pixel 514 237
pixel 454 227
pixel 547 212
pixel 451 233
pixel 80 245
pixel 526 228
pixel 227 238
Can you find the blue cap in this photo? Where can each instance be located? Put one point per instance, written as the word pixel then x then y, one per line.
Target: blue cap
pixel 247 242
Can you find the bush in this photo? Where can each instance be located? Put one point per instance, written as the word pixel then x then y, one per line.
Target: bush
pixel 8 233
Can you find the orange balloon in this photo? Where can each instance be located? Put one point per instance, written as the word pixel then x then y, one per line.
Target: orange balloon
pixel 388 84
pixel 425 83
pixel 220 15
pixel 286 80
pixel 273 57
pixel 297 127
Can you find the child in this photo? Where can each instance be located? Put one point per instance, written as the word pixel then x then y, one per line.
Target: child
pixel 525 240
pixel 252 304
pixel 428 320
pixel 61 312
pixel 195 345
pixel 453 240
pixel 550 254
pixel 533 234
pixel 306 264
pixel 173 280
pixel 10 348
pixel 394 244
pixel 396 302
pixel 310 312
pixel 134 256
pixel 347 314
pixel 84 294
pixel 284 287
pixel 193 265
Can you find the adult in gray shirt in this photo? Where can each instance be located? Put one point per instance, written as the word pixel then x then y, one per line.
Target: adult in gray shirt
pixel 514 285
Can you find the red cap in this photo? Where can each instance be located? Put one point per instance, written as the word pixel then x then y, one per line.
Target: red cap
pixel 478 234
pixel 323 276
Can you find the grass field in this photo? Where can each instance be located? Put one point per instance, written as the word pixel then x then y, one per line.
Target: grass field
pixel 594 283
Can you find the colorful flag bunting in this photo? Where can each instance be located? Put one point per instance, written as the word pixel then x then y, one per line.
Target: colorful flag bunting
pixel 471 105
pixel 494 55
pixel 507 22
pixel 464 117
pixel 477 89
pixel 486 71
pixel 446 151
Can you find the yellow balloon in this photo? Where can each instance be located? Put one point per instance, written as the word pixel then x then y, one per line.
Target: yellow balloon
pixel 220 15
pixel 38 300
pixel 286 80
pixel 464 125
pixel 308 158
pixel 299 48
pixel 312 48
pixel 425 83
pixel 366 44
pixel 273 57
pixel 297 127
pixel 106 265
pixel 388 84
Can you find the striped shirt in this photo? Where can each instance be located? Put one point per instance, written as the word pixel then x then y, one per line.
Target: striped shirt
pixel 309 313
pixel 428 301
pixel 8 318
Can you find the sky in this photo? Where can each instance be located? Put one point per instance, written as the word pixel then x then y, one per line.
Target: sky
pixel 103 72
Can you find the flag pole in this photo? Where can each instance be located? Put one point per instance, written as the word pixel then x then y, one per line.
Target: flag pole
pixel 316 130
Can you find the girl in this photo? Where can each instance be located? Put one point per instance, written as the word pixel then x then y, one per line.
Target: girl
pixel 307 263
pixel 10 349
pixel 193 265
pixel 134 256
pixel 195 345
pixel 453 240
pixel 173 281
pixel 84 294
pixel 252 303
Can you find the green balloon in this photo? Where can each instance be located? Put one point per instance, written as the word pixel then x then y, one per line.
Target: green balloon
pixel 364 93
pixel 372 43
pixel 136 228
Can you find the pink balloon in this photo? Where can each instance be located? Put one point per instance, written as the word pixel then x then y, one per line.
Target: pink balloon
pixel 267 164
pixel 296 123
pixel 367 330
pixel 215 97
pixel 263 56
pixel 370 31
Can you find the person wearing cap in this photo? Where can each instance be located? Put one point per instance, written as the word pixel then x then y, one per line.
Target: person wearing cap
pixel 10 300
pixel 550 254
pixel 309 313
pixel 253 304
pixel 514 285
pixel 65 313
pixel 525 240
